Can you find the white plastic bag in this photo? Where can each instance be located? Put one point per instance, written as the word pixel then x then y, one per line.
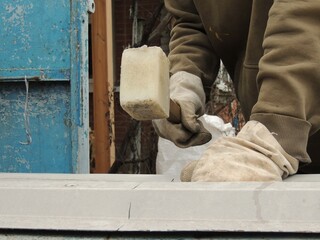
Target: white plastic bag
pixel 171 159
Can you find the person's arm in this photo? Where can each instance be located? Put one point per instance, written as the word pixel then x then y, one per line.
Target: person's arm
pixel 289 74
pixel 192 63
pixel 190 48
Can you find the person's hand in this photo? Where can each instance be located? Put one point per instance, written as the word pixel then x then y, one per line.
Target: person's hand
pixel 187 91
pixel 254 155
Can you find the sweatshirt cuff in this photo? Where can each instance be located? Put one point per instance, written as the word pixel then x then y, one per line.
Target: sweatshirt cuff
pixel 292 133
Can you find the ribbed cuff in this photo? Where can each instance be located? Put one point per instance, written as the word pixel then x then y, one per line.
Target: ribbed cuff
pixel 291 133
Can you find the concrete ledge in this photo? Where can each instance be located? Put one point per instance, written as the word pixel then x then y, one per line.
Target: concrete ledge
pixel 154 203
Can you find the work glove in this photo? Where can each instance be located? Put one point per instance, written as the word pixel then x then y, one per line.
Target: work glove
pixel 253 155
pixel 187 91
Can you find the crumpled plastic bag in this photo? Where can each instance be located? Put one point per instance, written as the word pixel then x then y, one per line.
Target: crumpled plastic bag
pixel 171 159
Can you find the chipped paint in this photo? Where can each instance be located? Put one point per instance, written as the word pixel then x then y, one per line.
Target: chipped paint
pixel 79 39
pixel 50 150
pixel 56 52
pixel 28 44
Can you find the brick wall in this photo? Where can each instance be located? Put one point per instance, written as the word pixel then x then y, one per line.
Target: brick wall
pixel 123 38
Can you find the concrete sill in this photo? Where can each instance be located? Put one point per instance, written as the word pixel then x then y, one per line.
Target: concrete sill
pixel 154 203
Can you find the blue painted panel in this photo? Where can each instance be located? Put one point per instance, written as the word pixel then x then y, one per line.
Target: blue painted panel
pixel 50 124
pixel 35 38
pixel 47 42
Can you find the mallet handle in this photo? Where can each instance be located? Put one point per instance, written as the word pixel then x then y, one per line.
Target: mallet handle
pixel 174 112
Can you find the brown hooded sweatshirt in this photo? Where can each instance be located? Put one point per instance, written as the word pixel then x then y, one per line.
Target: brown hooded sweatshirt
pixel 271 50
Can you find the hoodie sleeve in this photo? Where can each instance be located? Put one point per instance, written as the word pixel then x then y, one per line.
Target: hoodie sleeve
pixel 190 48
pixel 289 71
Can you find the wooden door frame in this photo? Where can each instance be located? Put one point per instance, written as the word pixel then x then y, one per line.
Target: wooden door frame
pixel 102 62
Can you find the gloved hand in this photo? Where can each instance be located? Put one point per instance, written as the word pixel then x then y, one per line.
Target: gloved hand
pixel 253 155
pixel 187 91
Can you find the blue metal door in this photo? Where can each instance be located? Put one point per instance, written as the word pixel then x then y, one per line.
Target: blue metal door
pixel 44 86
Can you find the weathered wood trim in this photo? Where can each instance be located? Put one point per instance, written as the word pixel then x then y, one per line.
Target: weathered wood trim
pixel 102 59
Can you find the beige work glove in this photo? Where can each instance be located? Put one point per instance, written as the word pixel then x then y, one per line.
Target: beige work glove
pixel 187 91
pixel 253 155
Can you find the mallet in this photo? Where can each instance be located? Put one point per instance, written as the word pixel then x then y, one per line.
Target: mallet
pixel 144 85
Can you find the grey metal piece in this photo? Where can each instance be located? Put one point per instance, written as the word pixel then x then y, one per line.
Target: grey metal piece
pixel 91 6
pixel 153 203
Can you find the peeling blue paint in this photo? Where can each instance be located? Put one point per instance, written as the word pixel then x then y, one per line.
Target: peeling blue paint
pixel 35 36
pixel 50 150
pixel 47 43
